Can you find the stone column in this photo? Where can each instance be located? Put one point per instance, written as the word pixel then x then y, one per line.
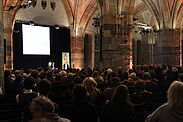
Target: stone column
pixel 181 39
pixel 1 48
pixel 117 41
pixel 77 52
pixel 135 52
pixel 145 50
pixel 168 47
pixel 88 50
pixel 9 43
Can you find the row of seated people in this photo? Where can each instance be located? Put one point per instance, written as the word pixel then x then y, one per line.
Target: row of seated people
pixel 100 93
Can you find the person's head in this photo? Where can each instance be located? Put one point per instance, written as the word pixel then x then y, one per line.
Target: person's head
pixel 95 74
pixel 58 77
pixel 49 63
pixel 90 83
pixel 40 106
pixel 120 95
pixel 7 74
pixel 29 82
pixel 146 76
pixel 63 73
pixel 35 73
pixel 19 77
pixel 24 75
pixel 132 75
pixel 42 74
pixel 180 77
pixel 174 69
pixel 115 81
pixel 49 74
pixel 79 92
pixel 124 75
pixel 153 74
pixel 109 70
pixel 44 87
pixel 175 95
pixel 140 85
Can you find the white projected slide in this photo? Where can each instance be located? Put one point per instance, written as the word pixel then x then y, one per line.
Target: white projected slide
pixel 36 40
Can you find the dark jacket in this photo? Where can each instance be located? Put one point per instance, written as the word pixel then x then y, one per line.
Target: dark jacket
pixel 52 117
pixel 81 111
pixel 117 113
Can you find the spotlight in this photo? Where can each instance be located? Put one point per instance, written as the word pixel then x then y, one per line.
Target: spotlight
pixel 56 27
pixel 29 1
pixel 135 18
pixel 26 3
pixel 32 23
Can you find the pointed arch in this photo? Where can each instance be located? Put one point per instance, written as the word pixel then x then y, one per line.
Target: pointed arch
pixel 154 11
pixel 174 13
pixel 165 12
pixel 68 8
pixel 179 16
pixel 106 6
pixel 88 14
pixel 140 8
pixel 10 8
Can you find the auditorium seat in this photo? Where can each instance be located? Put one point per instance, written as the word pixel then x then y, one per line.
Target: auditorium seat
pixel 139 107
pixel 10 111
pixel 11 115
pixel 158 98
pixel 140 117
pixel 150 107
pixel 7 99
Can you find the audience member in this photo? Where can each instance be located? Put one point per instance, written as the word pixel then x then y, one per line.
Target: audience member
pixel 81 110
pixel 16 86
pixel 107 94
pixel 8 79
pixel 98 94
pixel 140 95
pixel 26 97
pixel 91 87
pixel 172 111
pixel 119 109
pixel 42 109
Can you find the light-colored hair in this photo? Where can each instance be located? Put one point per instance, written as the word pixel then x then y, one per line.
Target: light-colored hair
pixel 63 73
pixel 42 104
pixel 175 95
pixel 91 85
pixel 120 95
pixel 109 70
pixel 132 75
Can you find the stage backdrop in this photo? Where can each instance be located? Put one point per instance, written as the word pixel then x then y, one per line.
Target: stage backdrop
pixel 59 42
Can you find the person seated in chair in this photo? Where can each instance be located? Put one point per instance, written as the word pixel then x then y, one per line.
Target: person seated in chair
pixel 172 110
pixel 26 97
pixel 42 109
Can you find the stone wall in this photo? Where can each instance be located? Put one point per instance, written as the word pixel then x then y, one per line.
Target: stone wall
pixel 1 48
pixel 168 47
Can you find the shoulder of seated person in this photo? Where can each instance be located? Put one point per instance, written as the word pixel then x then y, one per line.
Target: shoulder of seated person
pixel 63 120
pixel 107 89
pixel 48 120
pixel 39 120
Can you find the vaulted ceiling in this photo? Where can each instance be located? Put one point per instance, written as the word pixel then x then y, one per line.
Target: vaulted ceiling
pixel 168 13
pixel 161 13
